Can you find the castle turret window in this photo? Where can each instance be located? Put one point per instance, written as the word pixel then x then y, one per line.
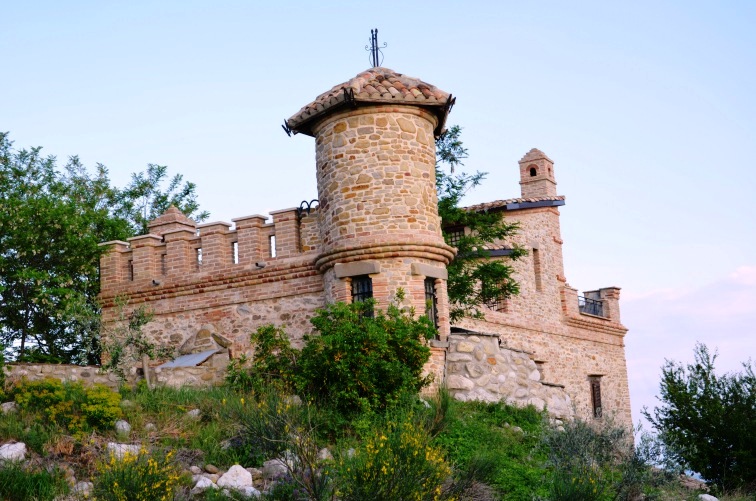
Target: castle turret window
pixel 362 288
pixel 595 382
pixel 431 301
pixel 533 172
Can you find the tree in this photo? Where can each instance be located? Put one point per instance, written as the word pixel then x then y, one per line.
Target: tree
pixel 475 279
pixel 143 199
pixel 51 222
pixel 707 421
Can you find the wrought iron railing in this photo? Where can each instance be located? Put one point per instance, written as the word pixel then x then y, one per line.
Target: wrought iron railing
pixel 591 306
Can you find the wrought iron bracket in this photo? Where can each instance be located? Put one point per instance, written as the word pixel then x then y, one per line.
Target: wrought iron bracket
pixel 286 128
pixel 306 207
pixel 349 97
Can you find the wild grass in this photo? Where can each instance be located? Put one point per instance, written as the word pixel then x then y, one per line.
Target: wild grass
pixel 21 483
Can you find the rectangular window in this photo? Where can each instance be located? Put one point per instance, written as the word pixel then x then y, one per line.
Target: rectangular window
pixel 454 235
pixel 431 301
pixel 272 243
pixel 235 252
pixel 131 270
pixel 596 395
pixel 163 264
pixel 362 290
pixel 199 257
pixel 537 269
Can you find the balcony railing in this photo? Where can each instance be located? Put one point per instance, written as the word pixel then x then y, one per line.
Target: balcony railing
pixel 590 306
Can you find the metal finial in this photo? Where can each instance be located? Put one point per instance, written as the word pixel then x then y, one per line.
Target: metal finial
pixel 376 55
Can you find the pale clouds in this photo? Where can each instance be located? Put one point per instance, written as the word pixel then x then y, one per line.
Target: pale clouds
pixel 667 324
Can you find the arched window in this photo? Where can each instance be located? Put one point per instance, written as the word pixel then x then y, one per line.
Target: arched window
pixel 533 172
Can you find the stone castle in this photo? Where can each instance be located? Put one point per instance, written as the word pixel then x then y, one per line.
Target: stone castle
pixel 375 229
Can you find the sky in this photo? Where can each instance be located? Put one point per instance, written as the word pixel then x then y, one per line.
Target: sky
pixel 647 108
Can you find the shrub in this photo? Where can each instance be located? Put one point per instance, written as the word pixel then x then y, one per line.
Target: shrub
pixel 273 363
pixel 707 421
pixel 136 477
pixel 360 363
pixel 69 405
pixel 18 483
pixel 395 461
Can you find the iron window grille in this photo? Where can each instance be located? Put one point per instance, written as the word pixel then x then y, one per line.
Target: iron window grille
pixel 362 290
pixel 431 300
pixel 454 235
pixel 596 396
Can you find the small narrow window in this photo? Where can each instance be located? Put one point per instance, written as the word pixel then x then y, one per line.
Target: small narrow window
pixel 272 243
pixel 431 300
pixel 130 267
pixel 533 172
pixel 596 396
pixel 362 290
pixel 235 252
pixel 199 256
pixel 163 264
pixel 537 269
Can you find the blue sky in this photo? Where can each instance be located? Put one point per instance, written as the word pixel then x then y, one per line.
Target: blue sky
pixel 647 108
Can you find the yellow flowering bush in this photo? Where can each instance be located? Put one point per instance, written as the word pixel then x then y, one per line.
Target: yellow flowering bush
pixel 137 477
pixel 396 461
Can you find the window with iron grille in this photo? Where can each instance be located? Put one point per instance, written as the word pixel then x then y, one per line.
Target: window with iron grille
pixel 499 304
pixel 596 395
pixel 362 288
pixel 454 235
pixel 431 301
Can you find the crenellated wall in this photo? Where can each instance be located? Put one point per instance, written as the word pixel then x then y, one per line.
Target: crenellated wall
pixel 231 278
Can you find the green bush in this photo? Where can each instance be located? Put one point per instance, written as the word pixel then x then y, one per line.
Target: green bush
pixel 69 405
pixel 136 477
pixel 273 363
pixel 361 364
pixel 395 461
pixel 19 483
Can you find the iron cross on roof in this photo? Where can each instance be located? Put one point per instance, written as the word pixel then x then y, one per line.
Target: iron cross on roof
pixel 376 55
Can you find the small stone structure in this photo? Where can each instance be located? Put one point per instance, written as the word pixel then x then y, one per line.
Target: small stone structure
pixel 478 368
pixel 376 229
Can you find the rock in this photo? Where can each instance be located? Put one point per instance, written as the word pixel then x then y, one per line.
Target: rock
pixel 127 404
pixel 236 478
pixel 122 427
pixel 707 497
pixel 457 382
pixel 150 427
pixel 324 454
pixel 210 468
pixel 196 470
pixel 293 400
pixel 425 403
pixel 13 452
pixel 194 413
pixel 249 492
pixel 82 489
pixel 120 450
pixel 8 407
pixel 274 468
pixel 202 485
pixel 255 472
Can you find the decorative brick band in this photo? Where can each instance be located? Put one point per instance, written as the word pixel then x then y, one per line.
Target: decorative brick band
pixel 437 252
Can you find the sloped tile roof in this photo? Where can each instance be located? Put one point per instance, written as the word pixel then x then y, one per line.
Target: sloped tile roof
pixel 513 203
pixel 376 85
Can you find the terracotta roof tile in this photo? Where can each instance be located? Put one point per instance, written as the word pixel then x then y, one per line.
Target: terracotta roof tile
pixel 376 85
pixel 502 204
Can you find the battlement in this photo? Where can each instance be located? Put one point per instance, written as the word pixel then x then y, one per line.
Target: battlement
pixel 178 251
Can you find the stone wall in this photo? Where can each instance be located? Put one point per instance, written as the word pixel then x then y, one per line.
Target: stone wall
pixel 87 375
pixel 477 368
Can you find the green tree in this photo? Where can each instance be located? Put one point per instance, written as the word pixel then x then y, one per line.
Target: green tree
pixel 51 222
pixel 144 199
pixel 707 421
pixel 475 278
pixel 363 363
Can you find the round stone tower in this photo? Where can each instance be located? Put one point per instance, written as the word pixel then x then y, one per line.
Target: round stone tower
pixel 378 214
